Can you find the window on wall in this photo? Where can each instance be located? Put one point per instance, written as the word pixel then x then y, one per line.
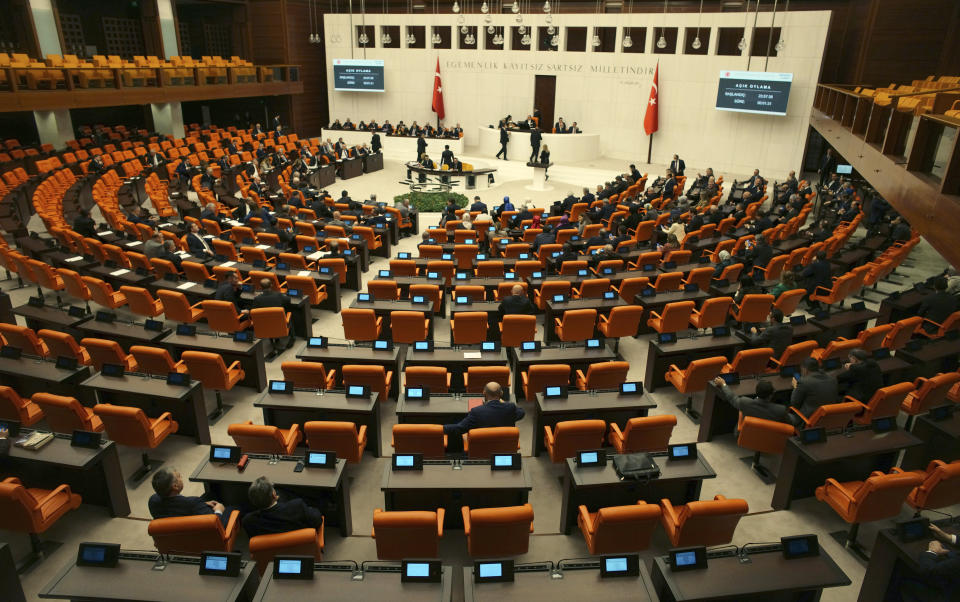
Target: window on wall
pixel 217 40
pixel 394 32
pixel 370 39
pixel 124 37
pixel 419 33
pixel 608 39
pixel 728 40
pixel 72 28
pixel 463 35
pixel 489 38
pixel 764 38
pixel 516 39
pixel 576 39
pixel 440 36
pixel 638 40
pixel 186 46
pixel 544 38
pixel 691 35
pixel 669 36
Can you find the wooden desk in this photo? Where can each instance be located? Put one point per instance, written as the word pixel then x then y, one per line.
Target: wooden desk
pixel 455 361
pixel 935 356
pixel 125 333
pixel 350 168
pixel 337 356
pixel 154 396
pixel 847 324
pixel 683 352
pixel 28 376
pixel 658 301
pixel 372 162
pixel 48 317
pixel 599 487
pixel 577 357
pixel 354 265
pixel 117 276
pixel 491 308
pixel 610 406
pixel 892 561
pixel 905 305
pixel 93 473
pixel 578 583
pixel 383 309
pixel 556 310
pixel 134 578
pixel 844 458
pixel 225 484
pixel 335 584
pixel 250 355
pixel 941 441
pixel 300 407
pixel 718 417
pixel 323 176
pixel 9 579
pixel 331 281
pixel 440 485
pixel 768 576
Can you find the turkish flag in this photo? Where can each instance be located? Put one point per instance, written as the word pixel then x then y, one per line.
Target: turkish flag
pixel 437 105
pixel 651 121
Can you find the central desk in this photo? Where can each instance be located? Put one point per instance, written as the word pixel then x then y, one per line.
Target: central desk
pixel 456 361
pixel 282 410
pixel 154 396
pixel 844 458
pixel 609 406
pixel 597 487
pixel 767 577
pixel 582 582
pixel 135 578
pixel 93 473
pixel 440 485
pixel 334 583
pixel 224 483
pixel 250 355
pixel 338 356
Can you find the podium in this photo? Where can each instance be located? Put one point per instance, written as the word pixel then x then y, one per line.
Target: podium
pixel 539 176
pixel 373 162
pixel 351 168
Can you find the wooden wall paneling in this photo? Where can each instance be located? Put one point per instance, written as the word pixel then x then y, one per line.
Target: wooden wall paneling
pixel 268 32
pixel 23 24
pixel 309 110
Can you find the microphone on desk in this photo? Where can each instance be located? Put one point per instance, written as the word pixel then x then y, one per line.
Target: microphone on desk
pixel 953 519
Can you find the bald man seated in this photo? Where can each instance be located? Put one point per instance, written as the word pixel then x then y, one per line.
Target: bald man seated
pixel 492 412
pixel 516 303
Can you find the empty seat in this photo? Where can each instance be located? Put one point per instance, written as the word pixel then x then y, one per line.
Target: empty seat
pixel 412 534
pixel 62 344
pixel 676 317
pixel 334 436
pixel 103 294
pixel 308 375
pixel 481 443
pixel 567 438
pixel 376 378
pixel 264 439
pixel 540 376
pixel 177 308
pixel 212 372
pixel 141 302
pixel 495 532
pixel 703 523
pixel 468 327
pixel 885 402
pixel 478 376
pixel 618 529
pixel 30 510
pixel 830 416
pixel 361 324
pixel 24 339
pixel 762 437
pixel 302 542
pixel 940 487
pixel 131 427
pixel 65 414
pixel 409 326
pixel 103 351
pixel 603 375
pixel 426 439
pixel 622 322
pixel 194 534
pixel 435 378
pixel 643 434
pixel 516 329
pixel 576 325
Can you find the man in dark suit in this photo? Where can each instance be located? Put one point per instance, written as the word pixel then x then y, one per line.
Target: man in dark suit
pixel 230 290
pixel 938 578
pixel 560 127
pixel 827 166
pixel 167 502
pixel 269 296
pixel 818 273
pixel 375 145
pixel 478 205
pixel 446 157
pixel 677 165
pixel 778 335
pixel 196 244
pixel 813 389
pixel 493 412
pixel 153 159
pixel 936 307
pixel 85 225
pixel 546 237
pixel 210 212
pixel 273 516
pixel 534 144
pixel 516 303
pixel 861 376
pixel 599 239
pixel 762 406
pixel 168 252
pixel 421 146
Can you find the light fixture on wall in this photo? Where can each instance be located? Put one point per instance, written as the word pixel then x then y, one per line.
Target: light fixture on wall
pixel 522 29
pixel 696 41
pixel 546 7
pixel 484 8
pixel 596 41
pixel 551 30
pixel 525 40
pixel 515 8
pixel 627 40
pixel 470 39
pixel 456 6
pixel 742 44
pixel 491 29
pixel 312 36
pixel 780 44
pixel 555 40
pixel 662 41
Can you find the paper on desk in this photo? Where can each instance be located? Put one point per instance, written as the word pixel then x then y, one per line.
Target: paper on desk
pixel 471 355
pixel 303 273
pixel 261 247
pixel 119 272
pixel 233 222
pixel 72 259
pixel 228 264
pixel 135 243
pixel 314 256
pixel 183 253
pixel 187 285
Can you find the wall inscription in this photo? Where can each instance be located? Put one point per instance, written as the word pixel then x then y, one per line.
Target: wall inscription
pixel 548 67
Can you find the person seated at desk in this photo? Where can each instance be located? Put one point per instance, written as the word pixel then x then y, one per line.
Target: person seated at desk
pixel 548 236
pixel 154 246
pixel 573 129
pixel 478 205
pixel 273 516
pixel 492 412
pixel 672 244
pixel 567 253
pixel 84 224
pixel 788 282
pixel 523 215
pixel 169 253
pixel 861 376
pixel 379 217
pixel 168 502
pixel 762 406
pixel 230 290
pixel 197 244
pixel 778 335
pixel 348 125
pixel 336 125
pixel 937 306
pixel 516 303
pixel 210 212
pixel 337 220
pixel 938 578
pixel 813 389
pixel 817 274
pixel 748 286
pixel 600 238
pixel 560 127
pixel 456 164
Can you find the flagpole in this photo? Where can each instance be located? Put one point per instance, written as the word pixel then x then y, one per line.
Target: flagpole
pixel 650 149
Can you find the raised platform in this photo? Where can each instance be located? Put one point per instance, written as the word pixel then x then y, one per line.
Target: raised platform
pixel 564 148
pixel 403 148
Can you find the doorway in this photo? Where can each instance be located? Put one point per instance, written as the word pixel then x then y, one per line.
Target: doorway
pixel 544 96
